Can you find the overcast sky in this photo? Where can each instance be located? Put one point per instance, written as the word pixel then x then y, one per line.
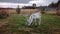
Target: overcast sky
pixel 16 1
pixel 13 3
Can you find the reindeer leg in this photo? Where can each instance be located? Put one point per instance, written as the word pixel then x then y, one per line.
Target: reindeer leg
pixel 39 22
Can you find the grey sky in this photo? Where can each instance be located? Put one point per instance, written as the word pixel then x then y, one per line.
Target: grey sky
pixel 16 1
pixel 24 1
pixel 43 2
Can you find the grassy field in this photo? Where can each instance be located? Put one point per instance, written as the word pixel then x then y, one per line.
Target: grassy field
pixel 50 24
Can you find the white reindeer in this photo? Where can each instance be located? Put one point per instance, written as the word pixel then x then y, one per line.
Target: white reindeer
pixel 34 17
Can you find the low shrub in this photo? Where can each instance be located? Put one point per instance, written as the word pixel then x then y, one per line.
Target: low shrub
pixel 42 12
pixel 58 13
pixel 3 14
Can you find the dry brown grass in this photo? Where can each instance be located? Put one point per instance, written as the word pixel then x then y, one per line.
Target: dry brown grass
pixel 53 12
pixel 23 11
pixel 28 11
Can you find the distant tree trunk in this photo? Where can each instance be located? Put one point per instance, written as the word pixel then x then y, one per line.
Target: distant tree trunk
pixel 57 13
pixel 18 10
